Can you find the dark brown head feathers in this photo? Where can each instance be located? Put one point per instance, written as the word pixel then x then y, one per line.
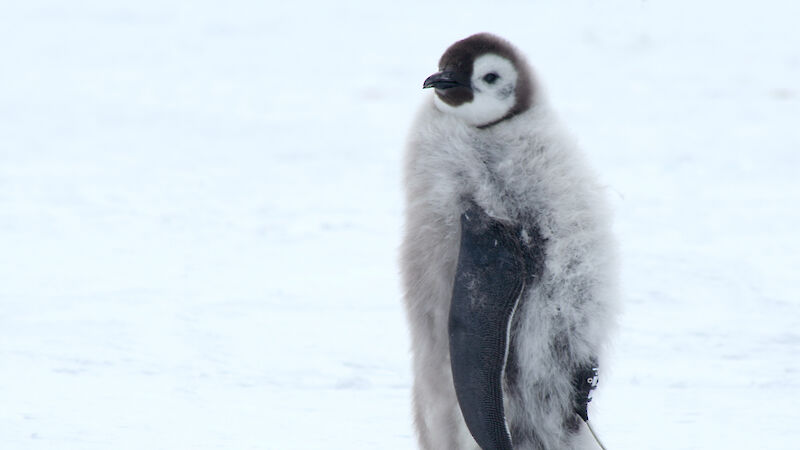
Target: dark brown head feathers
pixel 462 54
pixel 460 57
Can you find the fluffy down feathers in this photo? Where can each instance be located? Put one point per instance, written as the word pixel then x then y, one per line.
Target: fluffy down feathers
pixel 523 170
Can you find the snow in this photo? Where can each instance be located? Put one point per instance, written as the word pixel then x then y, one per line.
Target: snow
pixel 200 208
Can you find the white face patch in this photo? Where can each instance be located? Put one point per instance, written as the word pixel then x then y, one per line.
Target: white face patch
pixel 494 81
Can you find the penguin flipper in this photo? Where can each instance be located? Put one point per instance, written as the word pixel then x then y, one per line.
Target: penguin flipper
pixel 585 381
pixel 489 280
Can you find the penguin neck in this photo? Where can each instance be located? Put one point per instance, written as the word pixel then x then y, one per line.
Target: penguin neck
pixel 510 115
pixel 501 139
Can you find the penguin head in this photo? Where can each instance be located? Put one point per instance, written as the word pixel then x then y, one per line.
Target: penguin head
pixel 482 80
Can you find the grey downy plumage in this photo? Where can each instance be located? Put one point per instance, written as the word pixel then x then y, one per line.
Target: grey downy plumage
pixel 487 142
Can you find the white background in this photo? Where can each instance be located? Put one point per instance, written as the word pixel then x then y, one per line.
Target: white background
pixel 201 204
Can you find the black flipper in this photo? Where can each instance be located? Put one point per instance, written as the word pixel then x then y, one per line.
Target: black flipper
pixel 585 380
pixel 488 283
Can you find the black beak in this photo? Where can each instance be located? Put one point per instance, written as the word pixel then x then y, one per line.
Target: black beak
pixel 446 79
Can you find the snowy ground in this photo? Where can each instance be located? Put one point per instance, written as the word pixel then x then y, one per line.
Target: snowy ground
pixel 200 207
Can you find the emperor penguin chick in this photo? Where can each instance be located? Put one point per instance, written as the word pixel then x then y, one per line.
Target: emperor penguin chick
pixel 508 264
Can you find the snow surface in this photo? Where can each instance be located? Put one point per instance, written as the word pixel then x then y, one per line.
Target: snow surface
pixel 200 208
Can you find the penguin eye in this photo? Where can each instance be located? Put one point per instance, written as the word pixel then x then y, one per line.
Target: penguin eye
pixel 491 77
